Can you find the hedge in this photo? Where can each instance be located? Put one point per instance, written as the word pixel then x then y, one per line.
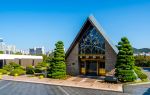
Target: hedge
pixel 18 72
pixel 2 71
pixel 30 70
pixel 140 74
pixel 127 76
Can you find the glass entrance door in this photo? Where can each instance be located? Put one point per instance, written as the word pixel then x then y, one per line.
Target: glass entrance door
pixel 91 68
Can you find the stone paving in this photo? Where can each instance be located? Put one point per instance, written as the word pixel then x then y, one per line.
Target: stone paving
pixel 83 82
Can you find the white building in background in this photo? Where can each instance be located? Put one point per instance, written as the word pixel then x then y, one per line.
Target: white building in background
pixel 23 52
pixel 24 60
pixel 7 49
pixel 40 50
pixel 10 49
pixel 142 54
pixel 37 51
pixel 2 45
pixel 32 51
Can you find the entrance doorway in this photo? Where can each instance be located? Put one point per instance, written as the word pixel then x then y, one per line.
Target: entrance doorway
pixel 91 68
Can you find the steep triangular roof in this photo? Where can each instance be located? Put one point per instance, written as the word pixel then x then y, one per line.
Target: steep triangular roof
pixel 91 19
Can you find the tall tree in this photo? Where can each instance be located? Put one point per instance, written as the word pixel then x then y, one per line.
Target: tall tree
pixel 125 61
pixel 59 66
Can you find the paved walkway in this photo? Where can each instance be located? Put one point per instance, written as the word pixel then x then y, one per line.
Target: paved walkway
pixel 83 82
pixel 139 89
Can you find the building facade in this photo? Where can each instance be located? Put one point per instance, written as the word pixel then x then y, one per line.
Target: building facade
pixel 37 51
pixel 32 51
pixel 24 60
pixel 91 52
pixel 40 51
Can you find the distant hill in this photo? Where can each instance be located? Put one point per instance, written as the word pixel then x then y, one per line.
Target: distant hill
pixel 146 50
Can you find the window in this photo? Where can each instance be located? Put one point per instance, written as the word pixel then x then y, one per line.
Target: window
pixel 92 42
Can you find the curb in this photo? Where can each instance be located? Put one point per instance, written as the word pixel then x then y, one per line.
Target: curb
pixel 139 83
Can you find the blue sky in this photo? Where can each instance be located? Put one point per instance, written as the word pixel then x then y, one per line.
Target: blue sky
pixel 29 23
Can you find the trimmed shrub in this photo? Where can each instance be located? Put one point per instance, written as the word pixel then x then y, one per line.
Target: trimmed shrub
pixel 16 75
pixel 58 70
pixel 41 76
pixel 36 70
pixel 30 70
pixel 14 69
pixel 140 74
pixel 125 62
pixel 17 71
pixel 41 68
pixel 2 71
pixel 137 68
pixel 11 66
pixel 59 75
pixel 126 76
pixel 8 68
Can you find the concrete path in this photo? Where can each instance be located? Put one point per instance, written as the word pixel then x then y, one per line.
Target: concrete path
pixel 72 82
pixel 140 89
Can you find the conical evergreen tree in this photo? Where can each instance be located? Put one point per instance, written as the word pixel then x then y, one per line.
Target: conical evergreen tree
pixel 125 61
pixel 59 66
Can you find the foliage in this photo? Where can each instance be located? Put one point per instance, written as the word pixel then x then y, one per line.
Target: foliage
pixel 11 66
pixel 41 66
pixel 58 66
pixel 36 70
pixel 2 71
pixel 18 53
pixel 125 61
pixel 137 68
pixel 17 72
pixel 8 68
pixel 140 74
pixel 1 52
pixel 16 75
pixel 14 68
pixel 41 76
pixel 50 61
pixel 142 61
pixel 45 57
pixel 30 69
pixel 126 75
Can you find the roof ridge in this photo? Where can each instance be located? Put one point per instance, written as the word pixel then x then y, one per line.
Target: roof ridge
pixel 93 21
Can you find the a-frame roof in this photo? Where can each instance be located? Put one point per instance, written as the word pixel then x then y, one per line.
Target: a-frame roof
pixel 91 20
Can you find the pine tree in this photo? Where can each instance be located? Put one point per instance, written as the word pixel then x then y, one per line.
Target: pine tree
pixel 125 61
pixel 59 66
